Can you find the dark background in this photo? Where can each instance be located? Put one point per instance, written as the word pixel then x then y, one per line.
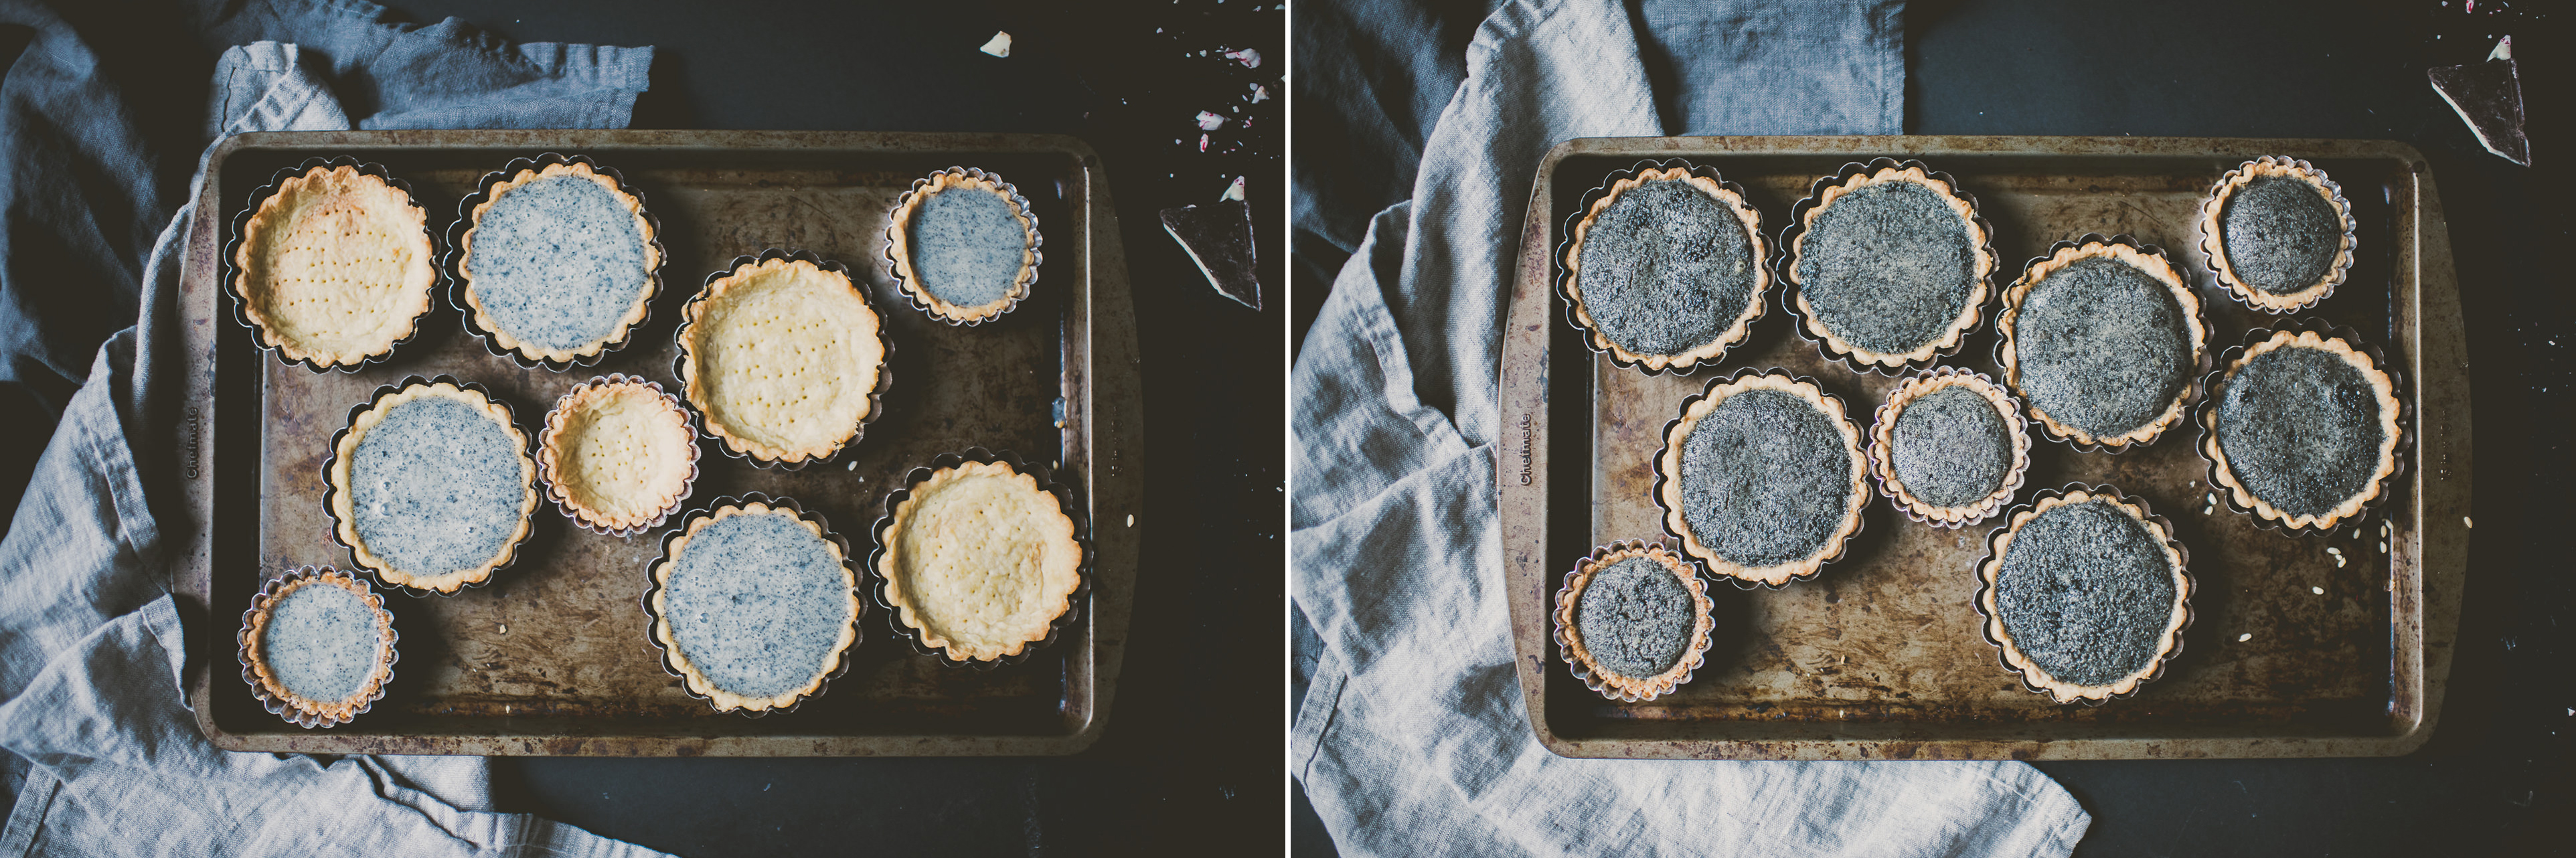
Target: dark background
pixel 2495 778
pixel 1189 754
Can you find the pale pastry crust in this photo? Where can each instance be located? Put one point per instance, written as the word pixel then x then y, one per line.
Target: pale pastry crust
pixel 334 267
pixel 1882 447
pixel 2383 391
pixel 344 502
pixel 1991 570
pixel 764 343
pixel 1668 492
pixel 981 561
pixel 1745 214
pixel 1978 242
pixel 643 288
pixel 2213 241
pixel 909 282
pixel 697 680
pixel 1613 684
pixel 326 712
pixel 617 454
pixel 2155 266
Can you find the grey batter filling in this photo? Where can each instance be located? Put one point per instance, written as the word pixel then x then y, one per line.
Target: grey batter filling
pixel 557 262
pixel 435 487
pixel 2301 429
pixel 1635 618
pixel 757 603
pixel 2086 592
pixel 2281 236
pixel 321 642
pixel 967 246
pixel 2102 347
pixel 1666 268
pixel 1766 479
pixel 1950 447
pixel 1888 267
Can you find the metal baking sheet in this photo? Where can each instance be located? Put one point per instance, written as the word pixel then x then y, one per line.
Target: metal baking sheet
pixel 552 658
pixel 1880 656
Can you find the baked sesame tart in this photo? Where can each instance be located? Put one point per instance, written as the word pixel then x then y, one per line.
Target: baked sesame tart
pixel 617 455
pixel 333 267
pixel 1949 447
pixel 1666 267
pixel 431 486
pixel 2103 340
pixel 1633 621
pixel 979 559
pixel 2303 427
pixel 2278 233
pixel 754 604
pixel 782 358
pixel 964 245
pixel 1761 477
pixel 317 647
pixel 557 263
pixel 2086 593
pixel 1888 265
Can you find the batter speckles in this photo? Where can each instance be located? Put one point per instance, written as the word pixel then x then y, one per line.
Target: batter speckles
pixel 757 603
pixel 1888 267
pixel 2102 347
pixel 2301 428
pixel 967 246
pixel 1765 479
pixel 558 262
pixel 2086 592
pixel 322 642
pixel 1635 618
pixel 1666 268
pixel 436 487
pixel 1950 448
pixel 2281 235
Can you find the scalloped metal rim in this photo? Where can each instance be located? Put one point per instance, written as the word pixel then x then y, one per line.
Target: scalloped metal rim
pixel 250 675
pixel 451 261
pixel 2210 248
pixel 1037 246
pixel 1695 657
pixel 2191 389
pixel 1564 277
pixel 563 501
pixel 858 620
pixel 230 271
pixel 1046 482
pixel 1986 620
pixel 1665 513
pixel 1882 465
pixel 1787 262
pixel 331 491
pixel 698 418
pixel 2205 416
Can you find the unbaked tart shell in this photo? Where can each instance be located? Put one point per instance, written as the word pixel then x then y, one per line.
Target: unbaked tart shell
pixel 390 246
pixel 1057 573
pixel 864 372
pixel 664 421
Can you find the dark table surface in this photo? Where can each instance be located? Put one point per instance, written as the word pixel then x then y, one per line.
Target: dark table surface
pixel 2495 779
pixel 1190 752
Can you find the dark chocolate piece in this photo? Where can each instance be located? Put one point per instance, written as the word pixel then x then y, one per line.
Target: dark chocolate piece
pixel 1666 268
pixel 2488 96
pixel 2301 429
pixel 1766 479
pixel 1218 236
pixel 2086 592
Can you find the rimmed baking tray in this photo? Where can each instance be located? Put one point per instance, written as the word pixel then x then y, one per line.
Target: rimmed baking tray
pixel 1879 657
pixel 552 658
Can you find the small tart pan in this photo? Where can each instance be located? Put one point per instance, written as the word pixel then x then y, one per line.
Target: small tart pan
pixel 231 272
pixel 877 590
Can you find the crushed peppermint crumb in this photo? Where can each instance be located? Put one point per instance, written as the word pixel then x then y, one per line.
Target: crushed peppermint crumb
pixel 999 46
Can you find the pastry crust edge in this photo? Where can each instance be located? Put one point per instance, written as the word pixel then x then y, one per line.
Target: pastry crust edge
pixel 1980 242
pixel 1991 568
pixel 327 713
pixel 2384 391
pixel 896 598
pixel 625 324
pixel 344 503
pixel 1746 215
pixel 901 250
pixel 1882 446
pixel 1635 689
pixel 698 683
pixel 1669 492
pixel 2163 271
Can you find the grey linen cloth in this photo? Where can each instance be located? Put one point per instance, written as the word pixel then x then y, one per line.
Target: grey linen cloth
pixel 103 756
pixel 1410 736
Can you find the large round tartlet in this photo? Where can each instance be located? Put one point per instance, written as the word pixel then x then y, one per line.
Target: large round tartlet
pixel 617 454
pixel 2302 429
pixel 334 267
pixel 2086 593
pixel 557 263
pixel 781 357
pixel 1949 447
pixel 1761 477
pixel 317 647
pixel 1667 269
pixel 1890 265
pixel 2102 340
pixel 964 245
pixel 1633 621
pixel 431 485
pixel 979 561
pixel 2278 233
pixel 754 605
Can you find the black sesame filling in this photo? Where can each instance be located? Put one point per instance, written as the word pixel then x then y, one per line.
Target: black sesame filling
pixel 1666 268
pixel 2086 592
pixel 2102 347
pixel 1888 267
pixel 2301 429
pixel 1635 618
pixel 2281 235
pixel 1950 447
pixel 1765 479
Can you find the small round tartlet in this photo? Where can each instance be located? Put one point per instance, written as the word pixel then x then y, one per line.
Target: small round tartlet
pixel 782 358
pixel 2278 234
pixel 2103 341
pixel 1949 447
pixel 2086 593
pixel 2303 427
pixel 1666 268
pixel 1889 265
pixel 617 455
pixel 317 647
pixel 431 486
pixel 1761 478
pixel 1633 621
pixel 978 560
pixel 557 263
pixel 334 267
pixel 754 605
pixel 964 245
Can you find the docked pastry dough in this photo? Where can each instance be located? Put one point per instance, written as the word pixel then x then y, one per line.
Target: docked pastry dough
pixel 981 561
pixel 334 267
pixel 782 357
